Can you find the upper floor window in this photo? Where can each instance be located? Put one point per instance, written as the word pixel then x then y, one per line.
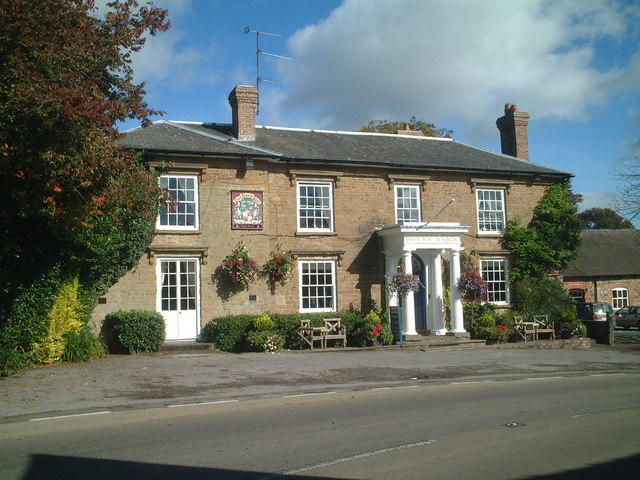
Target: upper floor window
pixel 315 207
pixel 494 273
pixel 577 294
pixel 407 204
pixel 181 209
pixel 317 285
pixel 491 212
pixel 620 297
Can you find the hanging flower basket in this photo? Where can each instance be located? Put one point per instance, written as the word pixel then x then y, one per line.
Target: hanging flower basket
pixel 471 284
pixel 404 283
pixel 278 269
pixel 241 268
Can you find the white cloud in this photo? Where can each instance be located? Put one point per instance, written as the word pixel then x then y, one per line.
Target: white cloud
pixel 166 59
pixel 163 60
pixel 459 60
pixel 599 199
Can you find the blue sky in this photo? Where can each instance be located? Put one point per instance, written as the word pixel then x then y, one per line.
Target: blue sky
pixel 573 65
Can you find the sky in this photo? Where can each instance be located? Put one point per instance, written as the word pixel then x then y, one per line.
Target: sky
pixel 573 65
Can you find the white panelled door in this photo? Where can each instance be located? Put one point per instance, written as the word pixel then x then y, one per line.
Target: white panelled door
pixel 178 296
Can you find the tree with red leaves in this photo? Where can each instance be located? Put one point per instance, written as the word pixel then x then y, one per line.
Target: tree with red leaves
pixel 71 199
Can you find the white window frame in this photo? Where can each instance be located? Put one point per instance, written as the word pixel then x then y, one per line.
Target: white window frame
pixel 620 297
pixel 192 199
pixel 578 294
pixel 311 298
pixel 491 292
pixel 400 196
pixel 315 212
pixel 491 210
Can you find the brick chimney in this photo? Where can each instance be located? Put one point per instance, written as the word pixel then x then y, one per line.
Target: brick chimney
pixel 243 101
pixel 513 132
pixel 407 130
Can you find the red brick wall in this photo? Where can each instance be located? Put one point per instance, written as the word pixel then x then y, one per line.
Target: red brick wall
pixel 602 290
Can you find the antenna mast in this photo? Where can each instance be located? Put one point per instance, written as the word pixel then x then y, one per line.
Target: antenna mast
pixel 258 53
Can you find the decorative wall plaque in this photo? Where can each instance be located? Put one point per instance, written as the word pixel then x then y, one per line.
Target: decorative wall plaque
pixel 246 210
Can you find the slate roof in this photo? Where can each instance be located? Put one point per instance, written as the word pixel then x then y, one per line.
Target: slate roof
pixel 327 147
pixel 607 253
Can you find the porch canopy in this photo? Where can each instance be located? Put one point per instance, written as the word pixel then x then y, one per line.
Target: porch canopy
pixel 429 241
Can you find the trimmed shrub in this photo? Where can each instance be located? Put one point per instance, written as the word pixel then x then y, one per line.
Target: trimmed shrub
pixel 473 311
pixel 370 330
pixel 570 325
pixel 83 346
pixel 227 333
pixel 263 323
pixel 134 331
pixel 286 325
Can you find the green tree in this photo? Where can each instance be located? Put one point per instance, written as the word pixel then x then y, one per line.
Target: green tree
pixel 72 201
pixel 603 218
pixel 385 126
pixel 551 239
pixel 627 199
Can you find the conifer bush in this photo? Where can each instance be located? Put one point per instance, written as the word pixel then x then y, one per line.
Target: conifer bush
pixel 64 318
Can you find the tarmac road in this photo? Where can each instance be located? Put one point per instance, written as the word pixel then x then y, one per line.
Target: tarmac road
pixel 120 382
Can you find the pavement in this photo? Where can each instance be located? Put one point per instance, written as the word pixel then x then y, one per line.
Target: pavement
pixel 173 378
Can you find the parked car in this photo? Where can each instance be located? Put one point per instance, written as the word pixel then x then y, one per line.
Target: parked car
pixel 594 311
pixel 628 317
pixel 598 318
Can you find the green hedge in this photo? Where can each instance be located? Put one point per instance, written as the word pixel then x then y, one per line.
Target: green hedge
pixel 227 333
pixel 27 321
pixel 232 333
pixel 133 331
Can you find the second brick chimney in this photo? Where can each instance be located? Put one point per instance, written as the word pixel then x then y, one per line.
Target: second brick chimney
pixel 243 101
pixel 513 132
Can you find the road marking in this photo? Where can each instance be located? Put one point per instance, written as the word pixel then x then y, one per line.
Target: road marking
pixel 543 378
pixel 471 381
pixel 69 416
pixel 605 374
pixel 604 412
pixel 350 458
pixel 308 394
pixel 201 403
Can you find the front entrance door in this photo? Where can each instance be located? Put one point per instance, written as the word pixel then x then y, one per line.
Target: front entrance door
pixel 178 296
pixel 419 299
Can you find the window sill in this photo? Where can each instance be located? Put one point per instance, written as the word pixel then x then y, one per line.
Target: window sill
pixel 177 232
pixel 316 234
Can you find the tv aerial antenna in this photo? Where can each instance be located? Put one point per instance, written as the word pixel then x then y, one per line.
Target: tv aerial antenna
pixel 259 52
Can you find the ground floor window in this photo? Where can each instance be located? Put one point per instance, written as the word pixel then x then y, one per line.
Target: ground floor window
pixel 620 297
pixel 577 294
pixel 494 273
pixel 317 285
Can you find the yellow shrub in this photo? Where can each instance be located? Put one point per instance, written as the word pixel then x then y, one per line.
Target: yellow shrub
pixel 64 317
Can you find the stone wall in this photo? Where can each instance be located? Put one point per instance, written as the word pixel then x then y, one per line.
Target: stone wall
pixel 363 201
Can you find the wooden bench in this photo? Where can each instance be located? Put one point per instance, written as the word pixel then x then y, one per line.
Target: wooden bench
pixel 543 325
pixel 335 331
pixel 309 334
pixel 526 328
